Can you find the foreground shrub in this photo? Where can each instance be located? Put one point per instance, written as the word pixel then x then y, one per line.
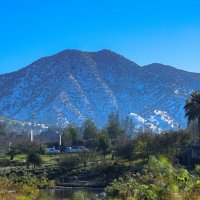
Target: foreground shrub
pixel 12 191
pixel 158 180
pixel 84 195
pixel 31 180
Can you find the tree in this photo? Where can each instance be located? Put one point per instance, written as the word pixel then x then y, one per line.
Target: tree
pixel 128 126
pixel 125 149
pixel 114 129
pixel 71 136
pixel 34 159
pixel 12 152
pixel 32 150
pixel 193 128
pixel 89 130
pixel 144 144
pixel 192 109
pixel 2 129
pixel 28 147
pixel 103 142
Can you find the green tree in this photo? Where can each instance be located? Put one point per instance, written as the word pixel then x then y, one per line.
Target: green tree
pixel 71 136
pixel 192 109
pixel 12 152
pixel 103 142
pixel 129 127
pixel 28 147
pixel 125 149
pixel 32 150
pixel 144 144
pixel 34 159
pixel 113 127
pixel 89 130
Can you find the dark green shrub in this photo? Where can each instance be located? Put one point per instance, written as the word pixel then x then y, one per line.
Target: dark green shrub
pixel 125 150
pixel 34 159
pixel 69 161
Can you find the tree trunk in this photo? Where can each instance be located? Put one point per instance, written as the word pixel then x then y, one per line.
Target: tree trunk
pixel 199 127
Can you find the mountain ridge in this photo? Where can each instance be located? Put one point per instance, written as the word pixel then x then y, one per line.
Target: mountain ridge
pixel 72 85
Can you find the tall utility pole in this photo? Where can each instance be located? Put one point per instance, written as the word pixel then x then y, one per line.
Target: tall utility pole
pixel 144 116
pixel 31 135
pixel 32 127
pixel 60 141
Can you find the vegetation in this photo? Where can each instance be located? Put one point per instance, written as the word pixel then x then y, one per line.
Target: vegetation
pixel 128 164
pixel 114 129
pixel 83 195
pixel 71 136
pixel 157 180
pixel 19 191
pixel 192 109
pixel 34 159
pixel 89 130
pixel 103 144
pixel 70 161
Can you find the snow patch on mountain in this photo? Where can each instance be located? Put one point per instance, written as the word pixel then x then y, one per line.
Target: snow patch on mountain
pixel 155 121
pixel 137 117
pixel 71 86
pixel 166 118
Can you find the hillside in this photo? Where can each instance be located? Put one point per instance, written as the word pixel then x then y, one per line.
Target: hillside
pixel 19 127
pixel 72 85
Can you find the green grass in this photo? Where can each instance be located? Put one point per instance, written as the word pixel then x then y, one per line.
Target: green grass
pixel 20 157
pixel 50 159
pixel 3 156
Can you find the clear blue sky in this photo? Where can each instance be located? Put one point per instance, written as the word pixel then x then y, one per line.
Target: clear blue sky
pixel 165 31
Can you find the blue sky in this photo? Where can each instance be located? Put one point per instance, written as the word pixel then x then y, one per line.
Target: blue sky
pixel 164 31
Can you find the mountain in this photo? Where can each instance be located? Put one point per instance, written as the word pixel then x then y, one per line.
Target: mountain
pixel 72 85
pixel 19 127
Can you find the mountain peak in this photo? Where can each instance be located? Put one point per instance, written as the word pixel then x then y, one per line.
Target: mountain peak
pixel 78 52
pixel 73 85
pixel 105 51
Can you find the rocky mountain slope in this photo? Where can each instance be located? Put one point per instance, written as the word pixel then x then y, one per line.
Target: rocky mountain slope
pixel 72 85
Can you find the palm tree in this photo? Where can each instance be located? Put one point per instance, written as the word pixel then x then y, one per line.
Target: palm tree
pixel 192 109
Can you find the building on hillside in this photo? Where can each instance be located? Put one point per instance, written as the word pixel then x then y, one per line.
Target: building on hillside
pixel 191 154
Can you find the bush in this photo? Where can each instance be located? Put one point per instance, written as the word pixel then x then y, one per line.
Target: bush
pixel 87 156
pixel 84 195
pixel 158 180
pixel 25 178
pixel 17 191
pixel 197 169
pixel 69 161
pixel 125 150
